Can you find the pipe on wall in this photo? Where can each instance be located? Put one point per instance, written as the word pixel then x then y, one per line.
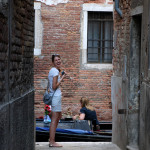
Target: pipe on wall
pixel 117 8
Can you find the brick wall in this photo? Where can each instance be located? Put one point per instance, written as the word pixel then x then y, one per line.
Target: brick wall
pixel 16 75
pixel 120 78
pixel 121 37
pixel 62 35
pixel 3 52
pixel 131 75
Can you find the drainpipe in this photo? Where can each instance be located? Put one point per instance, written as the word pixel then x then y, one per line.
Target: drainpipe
pixel 117 8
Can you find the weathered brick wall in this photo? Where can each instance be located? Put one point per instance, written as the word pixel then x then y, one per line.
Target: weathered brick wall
pixel 121 37
pixel 122 34
pixel 3 51
pixel 131 75
pixel 16 75
pixel 22 42
pixel 120 85
pixel 62 35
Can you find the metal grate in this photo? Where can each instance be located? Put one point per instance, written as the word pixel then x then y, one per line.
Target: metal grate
pixel 100 37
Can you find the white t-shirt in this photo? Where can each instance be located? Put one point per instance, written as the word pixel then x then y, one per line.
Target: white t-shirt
pixel 53 73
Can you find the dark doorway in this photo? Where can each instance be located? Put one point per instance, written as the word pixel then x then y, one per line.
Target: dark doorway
pixel 134 81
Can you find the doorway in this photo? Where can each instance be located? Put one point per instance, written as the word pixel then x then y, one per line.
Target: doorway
pixel 134 82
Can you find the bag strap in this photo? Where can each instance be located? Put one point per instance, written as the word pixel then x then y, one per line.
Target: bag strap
pixel 48 88
pixel 47 85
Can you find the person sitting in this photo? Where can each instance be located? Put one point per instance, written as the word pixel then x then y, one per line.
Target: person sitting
pixel 87 112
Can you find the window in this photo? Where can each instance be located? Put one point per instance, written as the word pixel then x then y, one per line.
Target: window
pixel 89 60
pixel 99 37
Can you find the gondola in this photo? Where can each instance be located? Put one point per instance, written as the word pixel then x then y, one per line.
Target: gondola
pixel 72 131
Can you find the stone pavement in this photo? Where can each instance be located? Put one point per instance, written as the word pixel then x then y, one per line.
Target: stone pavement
pixel 78 146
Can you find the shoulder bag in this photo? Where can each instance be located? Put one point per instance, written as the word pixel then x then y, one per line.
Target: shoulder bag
pixel 47 98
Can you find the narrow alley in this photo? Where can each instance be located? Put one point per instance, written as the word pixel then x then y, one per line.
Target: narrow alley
pixel 101 50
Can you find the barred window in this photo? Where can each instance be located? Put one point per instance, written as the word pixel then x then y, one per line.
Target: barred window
pixel 100 37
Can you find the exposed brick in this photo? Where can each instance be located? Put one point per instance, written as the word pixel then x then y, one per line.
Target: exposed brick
pixel 16 74
pixel 62 35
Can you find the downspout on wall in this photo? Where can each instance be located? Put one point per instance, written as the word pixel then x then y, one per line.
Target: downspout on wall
pixel 117 8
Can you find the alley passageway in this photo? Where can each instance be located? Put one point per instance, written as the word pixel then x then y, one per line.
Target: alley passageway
pixel 79 146
pixel 105 50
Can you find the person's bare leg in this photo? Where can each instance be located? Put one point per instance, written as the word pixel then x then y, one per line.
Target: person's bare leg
pixel 53 126
pixel 59 117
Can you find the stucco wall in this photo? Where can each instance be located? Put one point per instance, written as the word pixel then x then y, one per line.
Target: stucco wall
pixel 136 3
pixel 144 139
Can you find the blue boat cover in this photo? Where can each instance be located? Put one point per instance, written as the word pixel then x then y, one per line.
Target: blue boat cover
pixel 72 131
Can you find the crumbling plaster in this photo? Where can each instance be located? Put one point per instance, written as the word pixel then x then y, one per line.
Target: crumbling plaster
pixel 38 29
pixel 53 2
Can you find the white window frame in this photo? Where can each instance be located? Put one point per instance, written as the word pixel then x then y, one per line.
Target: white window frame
pixel 38 30
pixel 84 26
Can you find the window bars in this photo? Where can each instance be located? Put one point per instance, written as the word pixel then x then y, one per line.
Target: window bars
pixel 100 37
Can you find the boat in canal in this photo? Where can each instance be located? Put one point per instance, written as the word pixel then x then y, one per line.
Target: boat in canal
pixel 74 131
